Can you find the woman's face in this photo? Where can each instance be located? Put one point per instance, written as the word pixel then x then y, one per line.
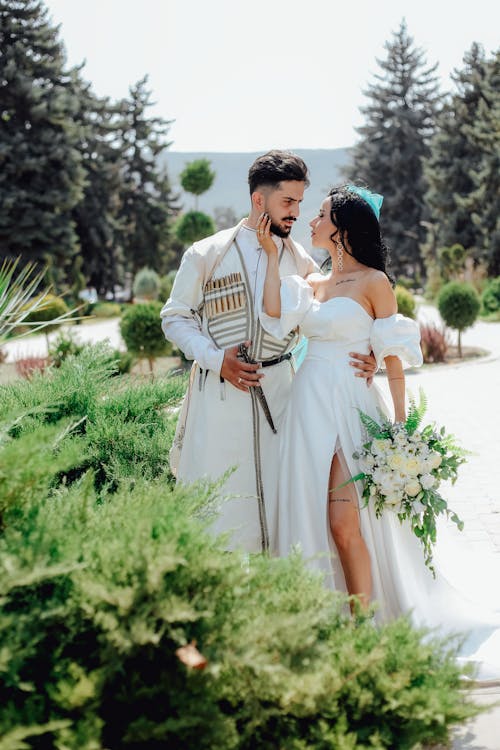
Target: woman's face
pixel 322 227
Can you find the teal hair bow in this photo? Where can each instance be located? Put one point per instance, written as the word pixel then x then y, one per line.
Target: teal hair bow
pixel 374 200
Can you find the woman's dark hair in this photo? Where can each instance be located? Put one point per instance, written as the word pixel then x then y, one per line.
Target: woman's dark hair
pixel 274 167
pixel 354 216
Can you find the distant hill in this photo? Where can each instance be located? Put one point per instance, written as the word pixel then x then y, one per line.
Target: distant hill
pixel 230 188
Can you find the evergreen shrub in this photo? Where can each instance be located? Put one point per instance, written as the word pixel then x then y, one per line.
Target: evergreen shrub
pixel 405 300
pixel 97 599
pixel 146 284
pixel 50 308
pixel 106 571
pixel 459 306
pixel 141 330
pixel 193 226
pixel 490 298
pixel 62 347
pixel 106 310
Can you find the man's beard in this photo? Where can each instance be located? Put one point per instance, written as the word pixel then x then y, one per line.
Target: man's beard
pixel 280 231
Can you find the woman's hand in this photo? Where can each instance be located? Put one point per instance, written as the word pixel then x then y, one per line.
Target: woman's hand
pixel 264 235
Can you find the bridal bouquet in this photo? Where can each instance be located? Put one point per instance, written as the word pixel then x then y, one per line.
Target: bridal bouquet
pixel 403 467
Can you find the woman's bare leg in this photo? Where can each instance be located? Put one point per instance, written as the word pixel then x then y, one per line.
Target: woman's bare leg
pixel 344 524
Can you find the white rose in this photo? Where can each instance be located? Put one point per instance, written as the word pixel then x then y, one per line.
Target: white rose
pixel 427 481
pixel 393 500
pixel 396 461
pixel 380 446
pixel 367 463
pixel 412 488
pixel 412 466
pixel 400 439
pixel 435 460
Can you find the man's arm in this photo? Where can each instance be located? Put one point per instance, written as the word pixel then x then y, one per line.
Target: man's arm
pixel 180 320
pixel 181 324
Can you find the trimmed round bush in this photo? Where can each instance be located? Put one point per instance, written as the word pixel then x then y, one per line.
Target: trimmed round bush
pixel 141 330
pixel 459 305
pixel 146 284
pixel 406 301
pixel 50 309
pixel 106 310
pixel 194 226
pixel 491 296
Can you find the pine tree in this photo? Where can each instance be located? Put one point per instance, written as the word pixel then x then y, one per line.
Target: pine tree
pixel 484 133
pixel 97 215
pixel 453 160
pixel 399 122
pixel 147 200
pixel 41 177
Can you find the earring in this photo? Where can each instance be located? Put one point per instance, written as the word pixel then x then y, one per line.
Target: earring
pixel 340 257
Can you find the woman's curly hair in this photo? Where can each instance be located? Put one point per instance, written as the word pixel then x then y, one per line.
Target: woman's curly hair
pixel 354 216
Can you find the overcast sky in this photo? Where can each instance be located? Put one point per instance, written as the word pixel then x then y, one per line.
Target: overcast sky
pixel 252 76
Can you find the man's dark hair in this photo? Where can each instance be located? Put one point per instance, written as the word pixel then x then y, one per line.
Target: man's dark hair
pixel 274 167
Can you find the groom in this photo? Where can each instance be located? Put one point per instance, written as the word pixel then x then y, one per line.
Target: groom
pixel 232 405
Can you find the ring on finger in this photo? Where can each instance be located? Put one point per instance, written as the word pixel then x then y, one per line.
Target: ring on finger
pixel 240 380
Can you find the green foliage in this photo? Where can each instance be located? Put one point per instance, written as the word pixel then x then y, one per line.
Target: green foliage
pixel 459 306
pixel 106 571
pixel 62 347
pixel 47 308
pixel 463 166
pixel 405 300
pixel 126 433
pixel 406 282
pixel 17 300
pixel 106 310
pixel 451 261
pixel 194 226
pixel 147 202
pixel 402 469
pixel 146 284
pixel 197 177
pixel 41 178
pixel 65 346
pixel 490 298
pixel 399 121
pixel 141 330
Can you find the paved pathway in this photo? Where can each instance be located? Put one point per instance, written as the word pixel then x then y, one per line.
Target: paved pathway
pixel 464 398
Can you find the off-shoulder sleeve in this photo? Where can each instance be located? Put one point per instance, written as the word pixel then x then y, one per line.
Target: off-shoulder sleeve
pixel 396 336
pixel 296 299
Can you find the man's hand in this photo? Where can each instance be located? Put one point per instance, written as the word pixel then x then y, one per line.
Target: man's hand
pixel 240 374
pixel 365 365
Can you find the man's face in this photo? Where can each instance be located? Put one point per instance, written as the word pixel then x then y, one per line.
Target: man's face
pixel 283 205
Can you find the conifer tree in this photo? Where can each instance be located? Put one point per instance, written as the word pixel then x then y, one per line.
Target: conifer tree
pixel 453 160
pixel 147 200
pixel 484 133
pixel 97 215
pixel 41 176
pixel 399 122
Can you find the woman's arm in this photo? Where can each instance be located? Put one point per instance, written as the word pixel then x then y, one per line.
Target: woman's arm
pixel 272 283
pixel 384 305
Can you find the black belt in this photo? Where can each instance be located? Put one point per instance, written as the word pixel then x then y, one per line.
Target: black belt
pixel 270 362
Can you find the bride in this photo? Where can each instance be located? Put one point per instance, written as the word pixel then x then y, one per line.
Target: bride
pixel 354 308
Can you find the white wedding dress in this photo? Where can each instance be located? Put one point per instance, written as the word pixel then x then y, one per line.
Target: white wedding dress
pixel 322 417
